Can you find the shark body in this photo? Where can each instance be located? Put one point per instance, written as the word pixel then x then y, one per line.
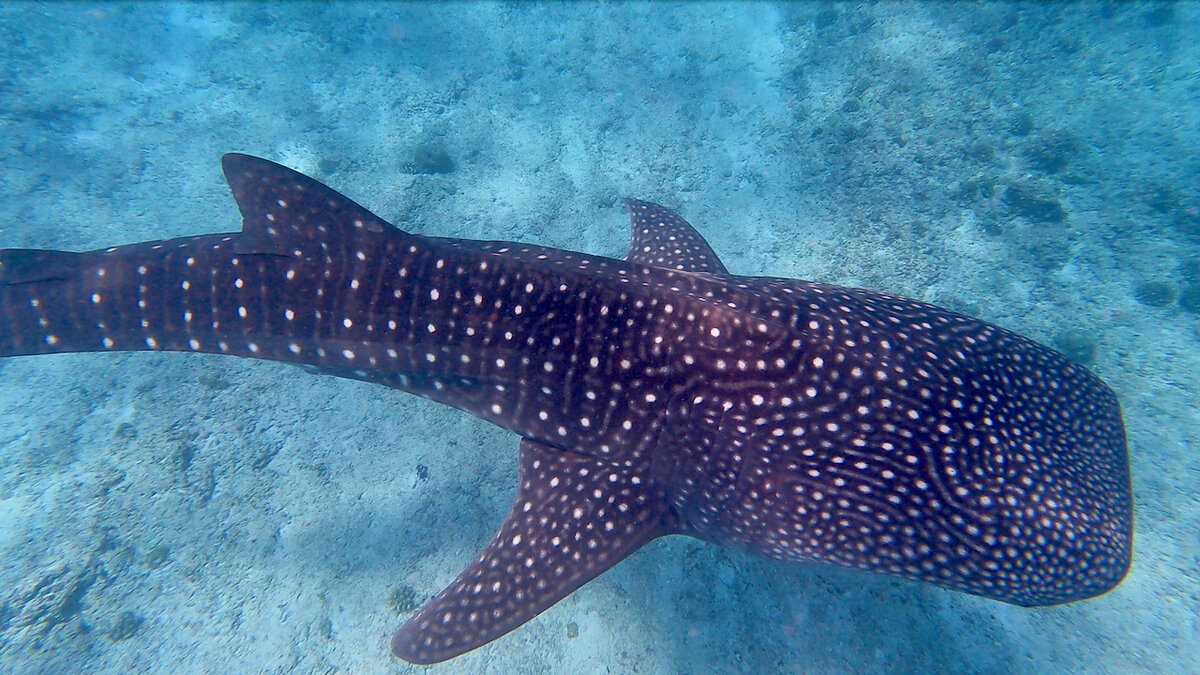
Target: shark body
pixel 653 395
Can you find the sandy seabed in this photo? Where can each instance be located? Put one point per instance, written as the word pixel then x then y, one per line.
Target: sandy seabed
pixel 1031 165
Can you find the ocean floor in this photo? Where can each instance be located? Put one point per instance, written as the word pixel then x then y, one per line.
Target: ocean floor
pixel 1033 165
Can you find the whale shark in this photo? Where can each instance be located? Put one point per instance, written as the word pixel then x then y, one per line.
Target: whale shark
pixel 654 395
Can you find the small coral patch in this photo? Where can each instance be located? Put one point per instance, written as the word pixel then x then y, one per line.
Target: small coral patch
pixel 1077 344
pixel 403 599
pixel 1154 293
pixel 126 626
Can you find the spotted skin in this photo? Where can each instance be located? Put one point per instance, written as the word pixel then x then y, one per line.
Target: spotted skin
pixel 655 395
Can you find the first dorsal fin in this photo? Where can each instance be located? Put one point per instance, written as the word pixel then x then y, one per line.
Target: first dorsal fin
pixel 573 518
pixel 281 207
pixel 661 238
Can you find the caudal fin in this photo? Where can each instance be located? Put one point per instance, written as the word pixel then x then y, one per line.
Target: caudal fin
pixel 45 299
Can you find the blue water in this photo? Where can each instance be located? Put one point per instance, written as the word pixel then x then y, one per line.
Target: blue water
pixel 1033 165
